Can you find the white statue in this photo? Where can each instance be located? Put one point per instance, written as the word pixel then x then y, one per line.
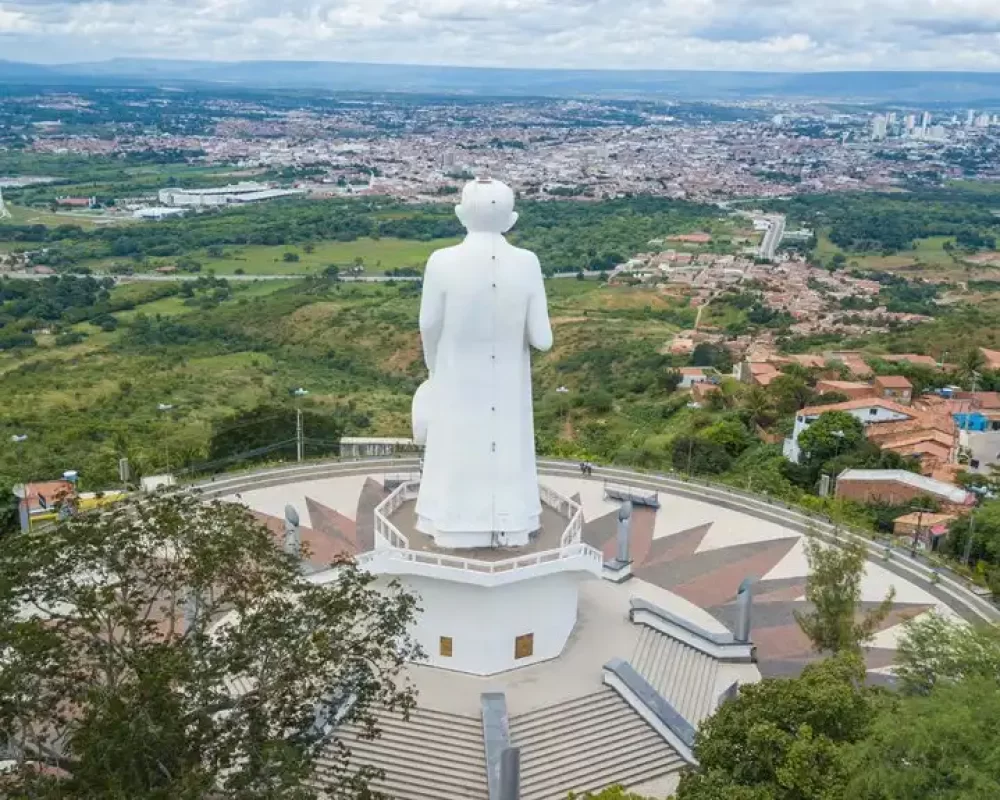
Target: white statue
pixel 483 305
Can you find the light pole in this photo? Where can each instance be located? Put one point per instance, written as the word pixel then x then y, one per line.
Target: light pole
pixel 23 507
pixel 166 408
pixel 967 555
pixel 916 532
pixel 300 445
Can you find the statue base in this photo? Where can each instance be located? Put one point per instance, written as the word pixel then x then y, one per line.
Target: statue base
pixel 463 540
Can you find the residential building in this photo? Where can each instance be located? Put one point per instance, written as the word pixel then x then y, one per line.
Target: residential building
pixel 894 387
pixel 850 389
pixel 692 375
pixel 867 412
pixel 899 487
pixel 927 434
pixel 992 358
pixel 927 526
pixel 854 362
pixel 700 392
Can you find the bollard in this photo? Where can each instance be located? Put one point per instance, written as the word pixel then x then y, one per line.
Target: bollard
pixel 510 774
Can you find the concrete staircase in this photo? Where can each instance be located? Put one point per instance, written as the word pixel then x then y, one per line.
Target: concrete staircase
pixel 683 676
pixel 433 756
pixel 587 744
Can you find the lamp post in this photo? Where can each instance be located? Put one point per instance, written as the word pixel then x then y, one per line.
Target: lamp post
pixel 23 508
pixel 300 445
pixel 166 408
pixel 967 555
pixel 916 531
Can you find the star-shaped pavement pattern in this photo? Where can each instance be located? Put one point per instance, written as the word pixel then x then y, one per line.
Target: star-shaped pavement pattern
pixel 710 578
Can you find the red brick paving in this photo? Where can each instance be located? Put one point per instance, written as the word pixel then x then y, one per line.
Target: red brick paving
pixel 718 586
pixel 677 545
pixel 781 642
pixel 788 594
pixel 643 522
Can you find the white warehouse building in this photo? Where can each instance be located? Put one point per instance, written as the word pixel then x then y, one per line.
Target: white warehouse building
pixel 247 192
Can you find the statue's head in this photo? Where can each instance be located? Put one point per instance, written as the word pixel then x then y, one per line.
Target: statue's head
pixel 487 207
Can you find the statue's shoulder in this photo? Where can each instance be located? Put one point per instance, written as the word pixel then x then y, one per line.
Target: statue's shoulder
pixel 524 257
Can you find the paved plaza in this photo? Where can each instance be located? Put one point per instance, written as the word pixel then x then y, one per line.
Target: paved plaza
pixel 689 556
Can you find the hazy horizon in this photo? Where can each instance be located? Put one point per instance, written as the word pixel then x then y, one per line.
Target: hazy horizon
pixel 696 35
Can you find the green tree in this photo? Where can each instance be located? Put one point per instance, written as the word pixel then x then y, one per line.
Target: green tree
pixel 970 362
pixel 712 355
pixel 758 407
pixel 935 649
pixel 9 522
pixel 697 456
pixel 942 746
pixel 785 739
pixel 613 793
pixel 730 434
pixel 833 434
pixel 985 532
pixel 790 393
pixel 193 654
pixel 273 426
pixel 291 258
pixel 835 624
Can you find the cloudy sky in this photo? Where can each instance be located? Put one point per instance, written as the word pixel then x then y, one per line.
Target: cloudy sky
pixel 695 34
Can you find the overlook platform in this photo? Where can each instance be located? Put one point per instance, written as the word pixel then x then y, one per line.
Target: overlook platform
pixel 547 538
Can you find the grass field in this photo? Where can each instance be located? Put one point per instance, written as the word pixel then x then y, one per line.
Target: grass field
pixel 33 216
pixel 928 258
pixel 378 256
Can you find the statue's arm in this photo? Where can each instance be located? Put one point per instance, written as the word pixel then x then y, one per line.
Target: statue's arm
pixel 431 312
pixel 539 330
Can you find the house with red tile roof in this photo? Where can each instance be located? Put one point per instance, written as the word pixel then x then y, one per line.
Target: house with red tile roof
pixel 893 426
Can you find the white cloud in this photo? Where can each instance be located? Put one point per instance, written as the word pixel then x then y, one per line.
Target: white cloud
pixel 698 34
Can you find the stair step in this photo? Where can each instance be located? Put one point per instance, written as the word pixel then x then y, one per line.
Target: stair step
pixel 408 779
pixel 558 726
pixel 599 774
pixel 462 757
pixel 586 754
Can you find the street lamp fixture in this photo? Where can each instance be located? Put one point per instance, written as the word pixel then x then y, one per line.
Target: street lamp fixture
pixel 18 438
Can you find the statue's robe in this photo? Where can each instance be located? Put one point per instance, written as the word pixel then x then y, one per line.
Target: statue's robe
pixel 483 306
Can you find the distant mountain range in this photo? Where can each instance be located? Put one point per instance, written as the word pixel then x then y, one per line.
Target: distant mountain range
pixel 922 87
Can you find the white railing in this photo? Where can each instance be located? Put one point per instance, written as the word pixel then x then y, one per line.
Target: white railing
pixel 388 507
pixel 568 509
pixel 570 545
pixel 488 567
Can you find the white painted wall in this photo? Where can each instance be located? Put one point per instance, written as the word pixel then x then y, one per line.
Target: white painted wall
pixel 866 416
pixel 484 622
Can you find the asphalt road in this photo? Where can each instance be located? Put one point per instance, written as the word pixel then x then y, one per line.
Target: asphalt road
pixel 773 237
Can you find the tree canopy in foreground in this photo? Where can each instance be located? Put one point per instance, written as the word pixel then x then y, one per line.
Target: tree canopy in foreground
pixel 169 649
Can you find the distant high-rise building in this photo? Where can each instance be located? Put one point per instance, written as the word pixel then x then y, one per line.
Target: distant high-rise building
pixel 911 121
pixel 879 127
pixel 926 121
pixel 983 121
pixel 937 132
pixel 891 119
pixel 971 119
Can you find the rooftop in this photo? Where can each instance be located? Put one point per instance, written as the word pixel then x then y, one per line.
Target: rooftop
pixel 855 405
pixel 947 491
pixel 894 382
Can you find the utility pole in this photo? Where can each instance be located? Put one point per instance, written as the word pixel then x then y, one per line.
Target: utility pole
pixel 299 443
pixel 916 533
pixel 972 535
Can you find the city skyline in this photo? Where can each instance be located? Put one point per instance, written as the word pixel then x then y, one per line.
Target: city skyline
pixel 779 35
